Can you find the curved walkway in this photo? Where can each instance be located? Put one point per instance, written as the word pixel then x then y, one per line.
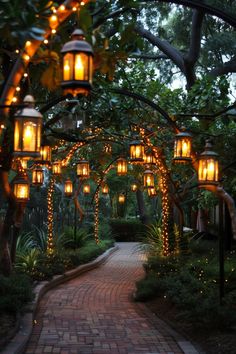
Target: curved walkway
pixel 94 313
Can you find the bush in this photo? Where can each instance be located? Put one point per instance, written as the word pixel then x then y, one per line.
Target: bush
pixel 148 288
pixel 15 292
pixel 126 230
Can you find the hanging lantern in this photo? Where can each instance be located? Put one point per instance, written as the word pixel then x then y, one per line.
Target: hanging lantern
pixel 208 166
pixel 122 166
pixel 45 152
pixel 134 187
pixel 77 65
pixel 83 169
pixel 149 158
pixel 27 130
pixel 24 163
pixel 148 179
pixel 21 187
pixel 183 147
pixel 68 188
pixel 37 176
pixel 2 128
pixel 56 168
pixel 121 198
pixel 105 189
pixel 152 192
pixel 86 188
pixel 136 149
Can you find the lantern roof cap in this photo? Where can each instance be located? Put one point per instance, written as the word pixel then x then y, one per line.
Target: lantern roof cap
pixel 21 177
pixel 183 133
pixel 29 110
pixel 83 161
pixel 77 43
pixel 136 142
pixel 208 150
pixel 148 171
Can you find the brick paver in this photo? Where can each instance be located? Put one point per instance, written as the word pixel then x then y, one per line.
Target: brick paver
pixel 94 313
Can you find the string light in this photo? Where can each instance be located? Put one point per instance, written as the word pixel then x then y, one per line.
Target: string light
pixel 96 217
pixel 50 216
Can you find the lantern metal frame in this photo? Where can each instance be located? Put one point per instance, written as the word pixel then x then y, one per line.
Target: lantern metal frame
pixel 68 187
pixel 21 181
pixel 148 179
pixel 27 130
pixel 136 149
pixel 56 168
pixel 37 176
pixel 122 166
pixel 77 80
pixel 208 166
pixel 86 188
pixel 183 147
pixel 83 169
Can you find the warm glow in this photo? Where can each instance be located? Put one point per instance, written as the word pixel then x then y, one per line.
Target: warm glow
pixel 53 21
pixel 68 188
pixel 121 198
pixel 136 152
pixel 121 167
pixel 152 192
pixel 21 191
pixel 37 177
pixel 45 153
pixel 208 170
pixel 148 179
pixel 56 168
pixel 86 188
pixel 66 70
pixel 134 187
pixel 182 148
pixel 29 136
pixel 83 169
pixel 105 189
pixel 79 68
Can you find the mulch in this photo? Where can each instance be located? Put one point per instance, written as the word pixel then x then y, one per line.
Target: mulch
pixel 205 340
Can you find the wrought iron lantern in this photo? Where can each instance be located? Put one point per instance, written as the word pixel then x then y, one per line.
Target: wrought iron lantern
pixel 27 130
pixel 136 149
pixel 77 65
pixel 83 169
pixel 148 179
pixel 86 188
pixel 56 168
pixel 152 192
pixel 105 189
pixel 68 188
pixel 122 166
pixel 149 158
pixel 208 166
pixel 21 187
pixel 134 187
pixel 37 176
pixel 45 152
pixel 121 198
pixel 183 147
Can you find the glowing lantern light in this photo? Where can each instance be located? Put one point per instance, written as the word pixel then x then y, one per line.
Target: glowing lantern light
pixel 37 176
pixel 136 149
pixel 134 187
pixel 86 188
pixel 152 192
pixel 53 22
pixel 149 158
pixel 24 163
pixel 122 166
pixel 77 65
pixel 68 188
pixel 183 147
pixel 148 179
pixel 105 189
pixel 56 168
pixel 121 198
pixel 83 170
pixel 21 187
pixel 27 130
pixel 208 166
pixel 45 152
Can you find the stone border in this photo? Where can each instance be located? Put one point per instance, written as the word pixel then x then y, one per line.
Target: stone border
pixel 18 343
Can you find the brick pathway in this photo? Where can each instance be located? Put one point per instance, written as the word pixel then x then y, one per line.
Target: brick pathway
pixel 94 313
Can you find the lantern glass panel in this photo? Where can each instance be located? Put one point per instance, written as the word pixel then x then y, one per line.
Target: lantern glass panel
pixel 152 192
pixel 30 135
pixel 136 152
pixel 68 187
pixel 21 191
pixel 105 189
pixel 121 198
pixel 121 167
pixel 81 66
pixel 17 133
pixel 134 187
pixel 148 179
pixel 208 170
pixel 37 177
pixel 86 188
pixel 56 168
pixel 68 67
pixel 45 153
pixel 83 169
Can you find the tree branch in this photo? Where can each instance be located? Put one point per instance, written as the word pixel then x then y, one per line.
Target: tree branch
pixel 226 68
pixel 164 46
pixel 149 56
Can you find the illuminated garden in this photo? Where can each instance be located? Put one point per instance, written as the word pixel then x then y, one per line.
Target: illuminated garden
pixel 117 128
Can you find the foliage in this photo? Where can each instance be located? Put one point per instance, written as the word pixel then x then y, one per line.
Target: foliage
pixel 15 292
pixel 72 240
pixel 126 229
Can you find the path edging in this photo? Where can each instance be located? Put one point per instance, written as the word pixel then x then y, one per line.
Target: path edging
pixel 18 343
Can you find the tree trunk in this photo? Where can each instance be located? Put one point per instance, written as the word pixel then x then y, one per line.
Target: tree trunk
pixel 141 207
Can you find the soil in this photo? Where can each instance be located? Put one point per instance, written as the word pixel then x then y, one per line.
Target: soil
pixel 206 341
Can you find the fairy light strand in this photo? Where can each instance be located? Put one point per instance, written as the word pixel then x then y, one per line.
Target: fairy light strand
pixel 50 216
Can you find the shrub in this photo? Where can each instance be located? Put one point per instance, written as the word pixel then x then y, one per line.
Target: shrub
pixel 72 240
pixel 126 230
pixel 15 292
pixel 148 288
